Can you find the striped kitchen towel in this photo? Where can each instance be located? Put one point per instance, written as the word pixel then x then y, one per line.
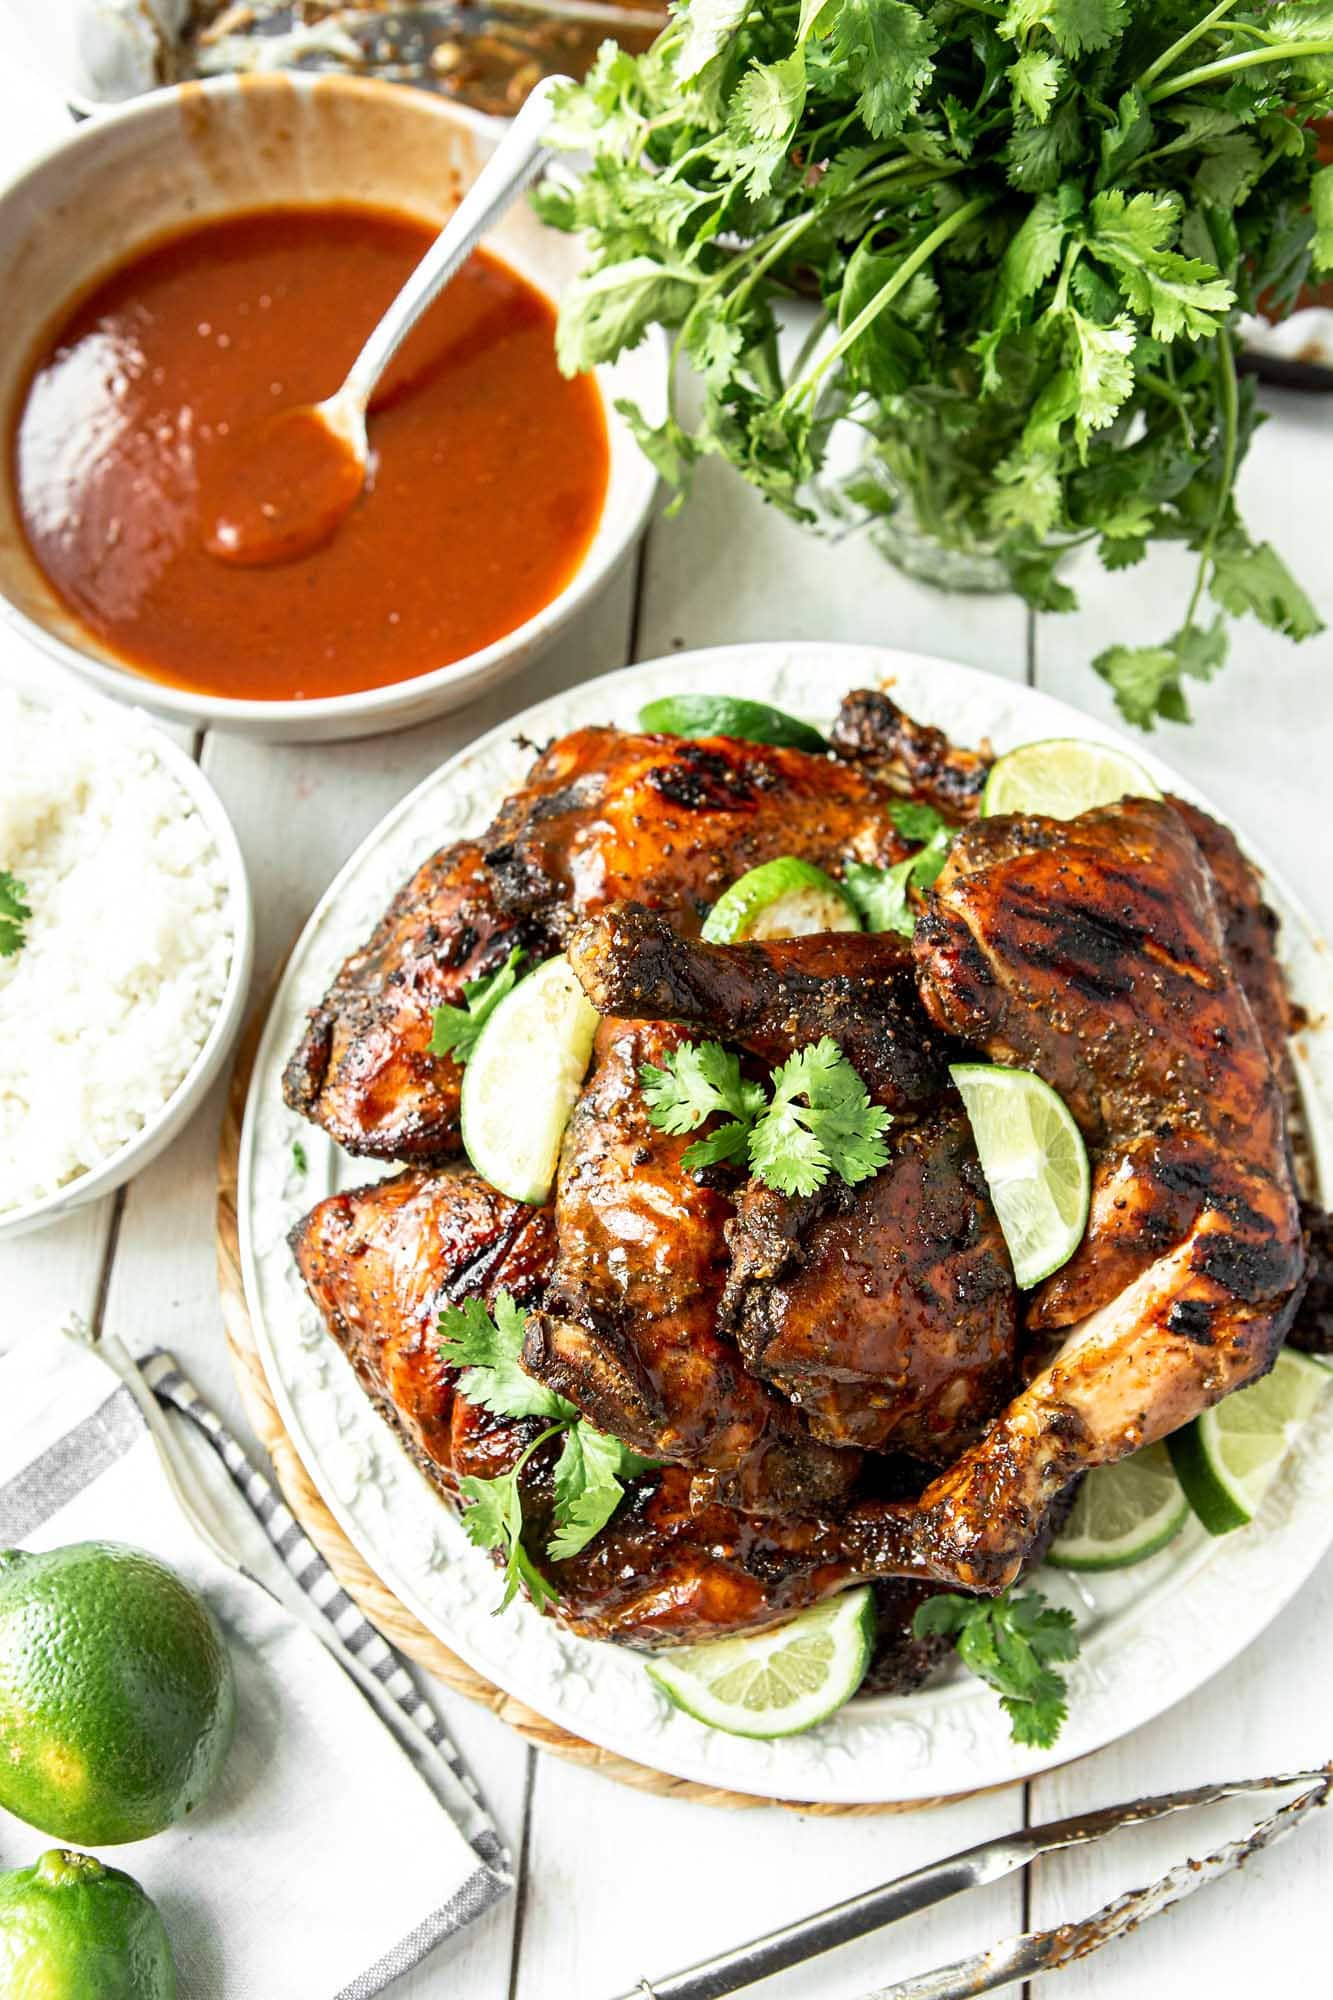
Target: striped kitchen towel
pixel 345 1839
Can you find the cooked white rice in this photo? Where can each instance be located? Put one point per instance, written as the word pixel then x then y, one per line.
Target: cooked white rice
pixel 107 1004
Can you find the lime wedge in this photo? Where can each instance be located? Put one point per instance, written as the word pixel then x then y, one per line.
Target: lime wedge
pixel 1035 1163
pixel 729 715
pixel 1123 1514
pixel 522 1080
pixel 775 1683
pixel 1062 778
pixel 1227 1459
pixel 780 899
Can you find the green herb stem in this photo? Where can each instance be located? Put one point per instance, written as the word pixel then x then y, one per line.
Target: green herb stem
pixel 1229 65
pixel 806 385
pixel 1226 357
pixel 1186 41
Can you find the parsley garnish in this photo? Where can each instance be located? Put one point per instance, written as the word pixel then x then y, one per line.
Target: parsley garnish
pixel 1009 1642
pixel 456 1029
pixel 14 914
pixel 818 1121
pixel 1031 225
pixel 588 1472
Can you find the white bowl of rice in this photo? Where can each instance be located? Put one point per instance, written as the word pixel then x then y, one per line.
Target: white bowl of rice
pixel 125 972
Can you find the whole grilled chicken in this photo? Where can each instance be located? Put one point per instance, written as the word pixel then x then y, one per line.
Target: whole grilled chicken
pixel 603 814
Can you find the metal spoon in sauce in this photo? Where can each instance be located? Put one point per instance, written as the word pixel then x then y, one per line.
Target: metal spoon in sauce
pixel 288 483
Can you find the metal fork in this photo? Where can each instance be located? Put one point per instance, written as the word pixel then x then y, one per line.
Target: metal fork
pixel 1018 1957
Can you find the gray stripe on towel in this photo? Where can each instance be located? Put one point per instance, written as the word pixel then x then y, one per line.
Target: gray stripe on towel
pixel 74 1461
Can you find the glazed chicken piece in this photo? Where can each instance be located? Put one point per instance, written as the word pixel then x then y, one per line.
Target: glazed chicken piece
pixel 629 1327
pixel 603 814
pixel 1092 951
pixel 381 1262
pixel 363 1069
pixel 773 997
pixel 886 1312
pixel 910 757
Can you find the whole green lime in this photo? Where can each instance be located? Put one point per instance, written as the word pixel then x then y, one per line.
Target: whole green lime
pixel 116 1693
pixel 71 1929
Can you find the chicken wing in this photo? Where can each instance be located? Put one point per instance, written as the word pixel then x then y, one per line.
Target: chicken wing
pixel 873 733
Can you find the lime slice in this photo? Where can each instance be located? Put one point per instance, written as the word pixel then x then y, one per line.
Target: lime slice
pixel 1227 1459
pixel 780 899
pixel 522 1080
pixel 729 715
pixel 1062 778
pixel 1123 1514
pixel 775 1683
pixel 1035 1163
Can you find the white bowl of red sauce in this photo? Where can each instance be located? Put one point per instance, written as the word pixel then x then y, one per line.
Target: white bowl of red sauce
pixel 177 272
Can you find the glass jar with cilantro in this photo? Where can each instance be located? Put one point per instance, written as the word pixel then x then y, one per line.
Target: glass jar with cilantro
pixel 1023 230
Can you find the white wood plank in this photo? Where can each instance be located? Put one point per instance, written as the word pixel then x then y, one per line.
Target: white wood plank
pixel 624 1887
pixel 729 567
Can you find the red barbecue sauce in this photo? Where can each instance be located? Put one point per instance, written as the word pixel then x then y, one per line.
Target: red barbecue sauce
pixel 488 468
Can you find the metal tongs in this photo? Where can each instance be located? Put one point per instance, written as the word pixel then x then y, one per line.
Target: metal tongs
pixel 1017 1957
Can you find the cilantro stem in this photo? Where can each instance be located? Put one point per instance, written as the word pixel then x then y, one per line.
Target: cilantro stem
pixel 1228 65
pixel 806 385
pixel 1230 435
pixel 1186 41
pixel 552 1430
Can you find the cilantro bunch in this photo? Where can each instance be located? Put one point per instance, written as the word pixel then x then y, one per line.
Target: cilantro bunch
pixel 1028 228
pixel 589 1470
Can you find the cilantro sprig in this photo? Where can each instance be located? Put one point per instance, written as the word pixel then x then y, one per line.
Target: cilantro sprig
pixel 15 913
pixel 590 1470
pixel 455 1029
pixel 1011 1643
pixel 882 895
pixel 1026 228
pixel 818 1119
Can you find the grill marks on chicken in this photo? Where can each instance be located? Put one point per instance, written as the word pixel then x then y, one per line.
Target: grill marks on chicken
pixel 772 998
pixel 886 1312
pixel 603 814
pixel 629 1327
pixel 1093 953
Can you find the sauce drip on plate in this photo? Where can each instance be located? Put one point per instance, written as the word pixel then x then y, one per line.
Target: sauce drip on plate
pixel 487 474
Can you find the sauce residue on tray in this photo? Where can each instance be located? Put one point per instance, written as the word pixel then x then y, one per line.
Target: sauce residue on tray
pixel 487 477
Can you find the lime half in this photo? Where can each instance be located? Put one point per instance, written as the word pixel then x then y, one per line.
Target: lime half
pixel 780 899
pixel 1062 778
pixel 1035 1163
pixel 780 1682
pixel 1227 1459
pixel 1123 1514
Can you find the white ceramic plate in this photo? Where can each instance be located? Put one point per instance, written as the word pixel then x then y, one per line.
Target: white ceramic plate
pixel 1150 1635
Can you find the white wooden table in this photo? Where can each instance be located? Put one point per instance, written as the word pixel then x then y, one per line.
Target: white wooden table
pixel 612 1885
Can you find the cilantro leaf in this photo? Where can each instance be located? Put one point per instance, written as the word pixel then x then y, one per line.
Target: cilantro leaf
pixel 493 1519
pixel 1321 195
pixel 1101 358
pixel 914 819
pixel 881 895
pixel 886 47
pixel 768 102
pixel 14 914
pixel 820 1119
pixel 699 1079
pixel 488 1351
pixel 602 312
pixel 709 26
pixel 588 1486
pixel 300 1159
pixel 1011 1643
pixel 1181 295
pixel 1249 576
pixel 1036 78
pixel 456 1029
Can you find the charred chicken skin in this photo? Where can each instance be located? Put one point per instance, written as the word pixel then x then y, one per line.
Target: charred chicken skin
pixel 603 814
